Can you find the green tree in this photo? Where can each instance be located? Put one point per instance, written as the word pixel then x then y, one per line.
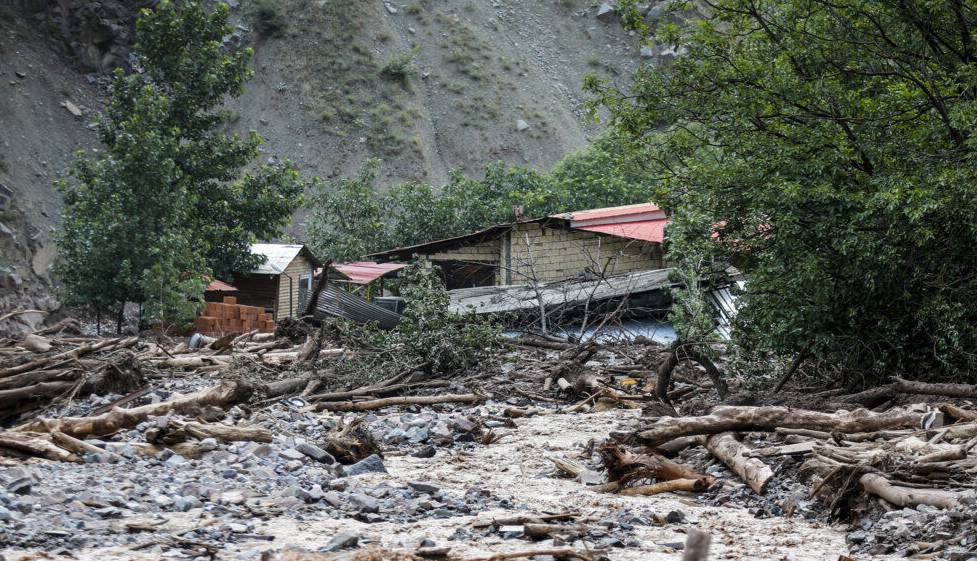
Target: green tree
pixel 168 187
pixel 348 218
pixel 829 146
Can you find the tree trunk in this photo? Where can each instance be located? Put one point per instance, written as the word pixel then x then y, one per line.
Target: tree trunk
pixel 225 393
pixel 732 452
pixel 947 390
pixel 402 400
pixel 120 318
pixel 732 418
pixel 904 496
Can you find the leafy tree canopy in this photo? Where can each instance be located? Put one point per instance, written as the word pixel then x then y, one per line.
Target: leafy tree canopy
pixel 168 189
pixel 830 145
pixel 352 217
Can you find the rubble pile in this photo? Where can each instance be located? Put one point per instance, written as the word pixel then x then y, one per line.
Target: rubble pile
pixel 188 448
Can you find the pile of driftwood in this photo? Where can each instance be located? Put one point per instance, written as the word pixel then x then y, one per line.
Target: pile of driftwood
pixel 38 369
pixel 922 454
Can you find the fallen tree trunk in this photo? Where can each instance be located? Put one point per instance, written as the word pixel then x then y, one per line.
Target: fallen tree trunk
pixel 9 398
pixel 377 390
pixel 69 355
pixel 33 444
pixel 401 400
pixel 226 392
pixel 624 466
pixel 228 433
pixel 733 418
pixel 923 388
pixel 690 485
pixel 904 496
pixel 733 453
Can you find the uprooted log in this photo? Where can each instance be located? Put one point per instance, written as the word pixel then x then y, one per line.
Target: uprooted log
pixel 73 354
pixel 172 431
pixel 678 352
pixel 35 444
pixel 625 467
pixel 671 486
pixel 227 392
pixel 351 442
pixel 737 418
pixel 904 496
pixel 119 376
pixel 946 390
pixel 399 400
pixel 733 453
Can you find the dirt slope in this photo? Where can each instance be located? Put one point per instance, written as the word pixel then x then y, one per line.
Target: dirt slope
pixel 484 81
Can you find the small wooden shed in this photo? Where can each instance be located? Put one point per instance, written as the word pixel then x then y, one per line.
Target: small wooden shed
pixel 283 283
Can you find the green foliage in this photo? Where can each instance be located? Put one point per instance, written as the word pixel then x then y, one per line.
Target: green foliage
pixel 268 21
pixel 173 298
pixel 830 146
pixel 429 336
pixel 347 217
pixel 167 189
pixel 429 331
pixel 350 218
pixel 400 66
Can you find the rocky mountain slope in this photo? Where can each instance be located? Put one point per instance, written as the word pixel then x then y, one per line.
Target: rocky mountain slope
pixel 426 85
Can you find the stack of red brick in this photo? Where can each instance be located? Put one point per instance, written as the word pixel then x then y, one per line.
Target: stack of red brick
pixel 229 316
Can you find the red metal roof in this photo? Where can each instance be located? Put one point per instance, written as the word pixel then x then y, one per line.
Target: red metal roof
pixel 365 272
pixel 220 286
pixel 646 230
pixel 643 221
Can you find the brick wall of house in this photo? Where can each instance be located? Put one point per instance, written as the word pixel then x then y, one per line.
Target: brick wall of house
pixel 559 254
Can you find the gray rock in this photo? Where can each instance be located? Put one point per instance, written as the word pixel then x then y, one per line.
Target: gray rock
pixel 606 12
pixel 370 464
pixel 162 500
pixel 175 460
pixel 521 125
pixel 183 504
pixel 4 514
pixel 316 453
pixel 647 52
pixel 462 424
pixel 208 444
pixel 423 487
pixel 675 517
pixel 333 498
pixel 425 452
pixel 20 486
pixel 262 450
pixel 292 454
pixel 342 540
pixel 364 503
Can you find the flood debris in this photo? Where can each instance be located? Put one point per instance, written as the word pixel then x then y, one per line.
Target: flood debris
pixel 248 430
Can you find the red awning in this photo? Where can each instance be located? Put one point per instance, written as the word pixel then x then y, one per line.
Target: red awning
pixel 220 286
pixel 365 272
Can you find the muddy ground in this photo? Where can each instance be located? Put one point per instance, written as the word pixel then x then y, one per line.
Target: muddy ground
pixel 465 481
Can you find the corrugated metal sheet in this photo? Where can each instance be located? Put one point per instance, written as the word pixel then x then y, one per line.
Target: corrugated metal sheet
pixel 331 301
pixel 278 256
pixel 365 272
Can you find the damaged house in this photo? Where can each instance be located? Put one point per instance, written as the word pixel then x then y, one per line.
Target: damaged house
pixel 596 254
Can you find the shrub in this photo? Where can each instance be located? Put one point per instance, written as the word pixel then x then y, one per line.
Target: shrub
pixel 268 22
pixel 400 66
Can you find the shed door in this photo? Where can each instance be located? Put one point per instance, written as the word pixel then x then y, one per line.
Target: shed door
pixel 305 289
